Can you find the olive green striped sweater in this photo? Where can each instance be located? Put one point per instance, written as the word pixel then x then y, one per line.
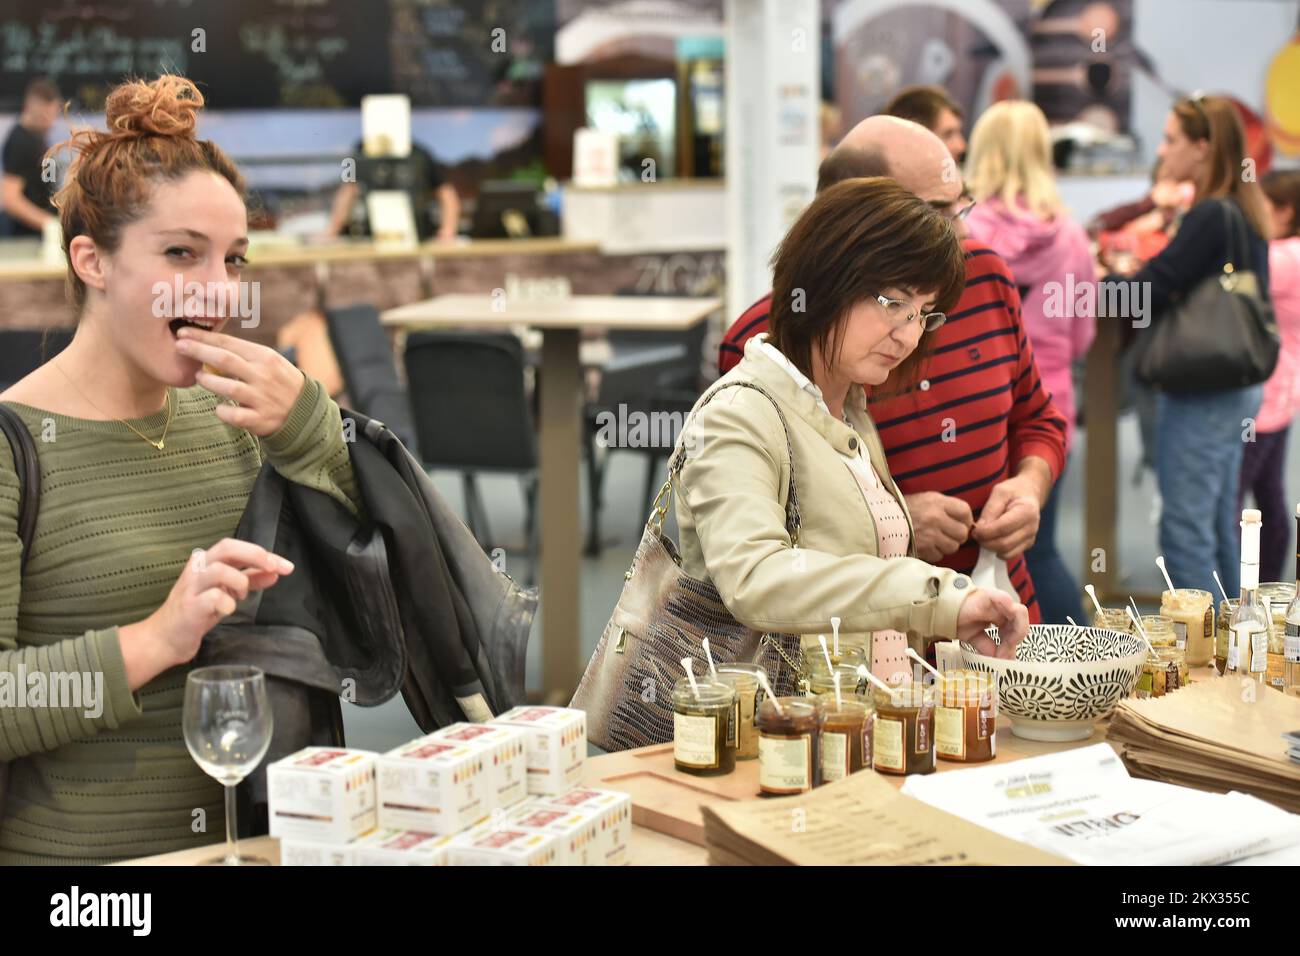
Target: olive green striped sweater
pixel 118 519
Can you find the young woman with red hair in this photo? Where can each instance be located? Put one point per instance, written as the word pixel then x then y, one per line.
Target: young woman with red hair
pixel 143 462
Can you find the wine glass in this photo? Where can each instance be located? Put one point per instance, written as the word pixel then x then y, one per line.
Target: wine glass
pixel 227 725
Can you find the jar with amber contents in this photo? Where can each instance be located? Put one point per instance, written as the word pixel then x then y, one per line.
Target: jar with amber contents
pixel 966 716
pixel 814 678
pixel 845 736
pixel 902 739
pixel 788 732
pixel 703 741
pixel 1192 612
pixel 744 680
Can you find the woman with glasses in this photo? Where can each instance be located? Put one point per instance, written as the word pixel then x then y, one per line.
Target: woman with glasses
pixel 1021 217
pixel 1200 435
pixel 860 283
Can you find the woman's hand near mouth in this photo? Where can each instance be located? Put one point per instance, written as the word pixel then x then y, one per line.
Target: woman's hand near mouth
pixel 262 381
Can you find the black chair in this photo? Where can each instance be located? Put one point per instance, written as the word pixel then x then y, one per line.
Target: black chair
pixel 472 414
pixel 656 374
pixel 365 358
pixel 23 351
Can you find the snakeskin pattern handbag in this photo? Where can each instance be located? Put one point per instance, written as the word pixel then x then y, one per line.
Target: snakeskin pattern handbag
pixel 662 616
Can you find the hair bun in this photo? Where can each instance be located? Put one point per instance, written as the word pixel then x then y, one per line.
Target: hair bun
pixel 167 106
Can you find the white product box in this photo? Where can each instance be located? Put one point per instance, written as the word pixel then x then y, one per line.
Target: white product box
pixel 508 747
pixel 401 848
pixel 434 786
pixel 557 745
pixel 610 808
pixel 496 845
pixel 580 839
pixel 298 853
pixel 322 795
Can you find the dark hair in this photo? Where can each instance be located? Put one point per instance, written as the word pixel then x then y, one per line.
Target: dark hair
pixel 1282 187
pixel 150 139
pixel 41 89
pixel 921 104
pixel 847 162
pixel 1216 120
pixel 856 239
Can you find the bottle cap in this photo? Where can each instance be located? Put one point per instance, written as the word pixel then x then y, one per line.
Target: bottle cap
pixel 1251 516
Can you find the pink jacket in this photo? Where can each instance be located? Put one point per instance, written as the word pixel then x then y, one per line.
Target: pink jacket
pixel 1282 390
pixel 1053 266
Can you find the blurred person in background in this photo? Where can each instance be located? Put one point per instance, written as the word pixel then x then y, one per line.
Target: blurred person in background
pixel 1199 434
pixel 933 108
pixel 25 191
pixel 1021 217
pixel 1263 462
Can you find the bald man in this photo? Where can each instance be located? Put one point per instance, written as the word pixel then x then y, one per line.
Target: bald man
pixel 976 448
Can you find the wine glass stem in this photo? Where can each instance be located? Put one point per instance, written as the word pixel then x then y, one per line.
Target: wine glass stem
pixel 232 850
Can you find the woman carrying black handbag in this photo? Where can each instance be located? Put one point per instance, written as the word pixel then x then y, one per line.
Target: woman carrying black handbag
pixel 1211 339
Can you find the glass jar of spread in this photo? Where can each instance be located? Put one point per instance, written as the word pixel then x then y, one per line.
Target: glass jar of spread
pixel 1223 633
pixel 787 746
pixel 845 736
pixel 1192 612
pixel 902 738
pixel 813 669
pixel 821 681
pixel 1112 619
pixel 744 680
pixel 966 716
pixel 703 738
pixel 1166 670
pixel 1279 594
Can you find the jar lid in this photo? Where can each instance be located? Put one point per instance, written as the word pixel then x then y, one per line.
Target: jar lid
pixel 710 694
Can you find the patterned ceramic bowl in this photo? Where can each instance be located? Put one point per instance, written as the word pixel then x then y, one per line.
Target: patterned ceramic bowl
pixel 1063 679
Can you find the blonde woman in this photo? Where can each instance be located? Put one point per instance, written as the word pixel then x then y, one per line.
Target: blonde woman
pixel 1020 216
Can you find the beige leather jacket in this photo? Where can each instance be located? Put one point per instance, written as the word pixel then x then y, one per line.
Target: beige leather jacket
pixel 730 503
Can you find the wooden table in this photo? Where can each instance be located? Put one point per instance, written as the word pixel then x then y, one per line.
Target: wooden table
pixel 561 320
pixel 668 828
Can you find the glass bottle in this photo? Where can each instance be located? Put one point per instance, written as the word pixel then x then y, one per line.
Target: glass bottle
pixel 1248 650
pixel 1291 650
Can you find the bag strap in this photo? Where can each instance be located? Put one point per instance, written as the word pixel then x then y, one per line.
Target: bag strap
pixel 1238 241
pixel 28 468
pixel 793 518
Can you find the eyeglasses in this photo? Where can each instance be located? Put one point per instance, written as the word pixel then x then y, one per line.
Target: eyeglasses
pixel 961 213
pixel 898 314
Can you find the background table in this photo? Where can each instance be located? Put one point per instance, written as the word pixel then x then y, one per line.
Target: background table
pixel 561 320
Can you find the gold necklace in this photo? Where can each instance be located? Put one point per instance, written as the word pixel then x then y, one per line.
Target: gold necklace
pixel 158 445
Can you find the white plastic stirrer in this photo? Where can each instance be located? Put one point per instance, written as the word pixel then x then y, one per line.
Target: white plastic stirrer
pixel 690 675
pixel 835 635
pixel 1142 633
pixel 708 655
pixel 926 664
pixel 767 689
pixel 1092 593
pixel 1160 563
